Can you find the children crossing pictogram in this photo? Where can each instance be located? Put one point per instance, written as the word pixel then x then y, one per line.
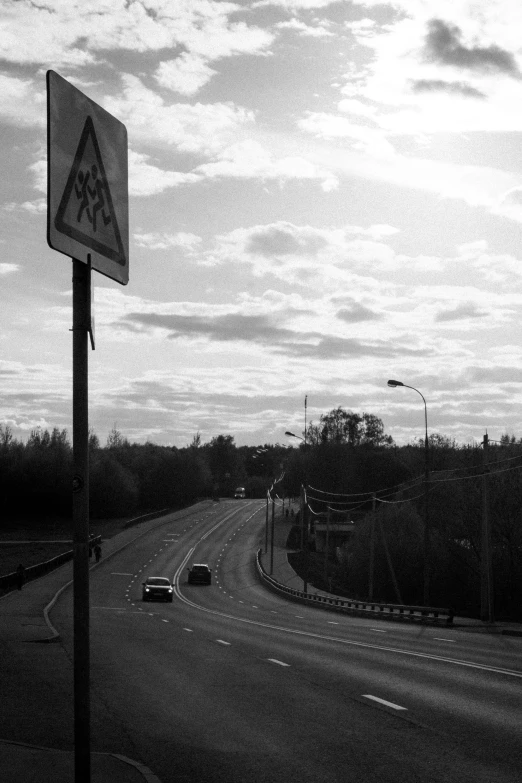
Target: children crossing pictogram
pixel 86 212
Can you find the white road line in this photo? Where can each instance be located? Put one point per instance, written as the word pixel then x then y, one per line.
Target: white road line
pixel 189 630
pixel 383 701
pixel 221 641
pixel 377 630
pixel 330 622
pixel 164 621
pixel 279 663
pixel 440 639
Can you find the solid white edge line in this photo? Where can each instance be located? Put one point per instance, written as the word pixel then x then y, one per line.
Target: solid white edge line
pixel 383 701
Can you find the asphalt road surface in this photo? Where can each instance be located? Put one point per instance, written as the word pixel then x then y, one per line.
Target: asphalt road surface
pixel 232 683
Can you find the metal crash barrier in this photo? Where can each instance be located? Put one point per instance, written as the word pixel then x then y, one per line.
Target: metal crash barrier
pixel 419 614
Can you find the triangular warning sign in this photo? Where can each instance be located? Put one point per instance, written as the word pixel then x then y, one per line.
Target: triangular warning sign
pixel 86 212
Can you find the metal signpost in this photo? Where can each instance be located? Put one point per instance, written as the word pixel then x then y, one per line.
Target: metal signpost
pixel 87 220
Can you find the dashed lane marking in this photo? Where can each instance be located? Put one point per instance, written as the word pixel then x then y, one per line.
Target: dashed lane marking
pixel 221 641
pixel 279 663
pixel 440 639
pixel 383 701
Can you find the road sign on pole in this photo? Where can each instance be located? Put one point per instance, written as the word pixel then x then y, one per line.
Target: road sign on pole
pixel 87 182
pixel 87 219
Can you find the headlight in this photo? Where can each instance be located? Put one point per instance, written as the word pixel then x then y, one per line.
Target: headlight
pixel 147 589
pixel 170 589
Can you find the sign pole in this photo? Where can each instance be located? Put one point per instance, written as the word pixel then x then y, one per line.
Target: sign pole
pixel 81 327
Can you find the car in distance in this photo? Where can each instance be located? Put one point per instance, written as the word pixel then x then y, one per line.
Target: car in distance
pixel 200 573
pixel 240 493
pixel 157 588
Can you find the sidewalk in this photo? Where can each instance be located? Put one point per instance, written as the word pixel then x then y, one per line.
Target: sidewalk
pixel 32 665
pixel 284 574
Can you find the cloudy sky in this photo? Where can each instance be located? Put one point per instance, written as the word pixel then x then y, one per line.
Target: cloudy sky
pixel 323 195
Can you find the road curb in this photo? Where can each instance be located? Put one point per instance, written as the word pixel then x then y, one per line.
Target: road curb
pixel 147 773
pixel 149 776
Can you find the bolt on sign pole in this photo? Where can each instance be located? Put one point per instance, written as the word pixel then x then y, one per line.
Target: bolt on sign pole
pixel 87 220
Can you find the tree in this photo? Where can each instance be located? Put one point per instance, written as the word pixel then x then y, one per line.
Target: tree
pixel 196 441
pixel 115 439
pixel 342 426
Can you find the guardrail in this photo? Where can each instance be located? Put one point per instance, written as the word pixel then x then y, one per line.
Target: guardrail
pixel 419 614
pixel 10 581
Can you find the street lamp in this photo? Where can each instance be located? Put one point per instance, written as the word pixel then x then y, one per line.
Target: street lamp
pixel 426 589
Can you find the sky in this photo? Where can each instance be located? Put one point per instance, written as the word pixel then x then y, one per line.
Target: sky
pixel 322 196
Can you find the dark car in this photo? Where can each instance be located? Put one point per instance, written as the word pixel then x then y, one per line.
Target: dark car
pixel 200 573
pixel 157 588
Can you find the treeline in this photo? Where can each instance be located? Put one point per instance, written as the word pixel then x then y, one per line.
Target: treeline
pixel 125 478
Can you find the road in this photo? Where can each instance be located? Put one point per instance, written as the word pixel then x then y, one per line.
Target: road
pixel 233 683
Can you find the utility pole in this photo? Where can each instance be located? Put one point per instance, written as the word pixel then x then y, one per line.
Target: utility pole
pixel 304 537
pixel 372 550
pixel 272 542
pixel 427 537
pixel 266 525
pixel 486 567
pixel 326 549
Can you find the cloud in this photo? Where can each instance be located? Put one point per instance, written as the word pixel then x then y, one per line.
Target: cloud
pixel 266 331
pixel 301 28
pixel 452 88
pixel 370 141
pixel 296 4
pixel 461 312
pixel 195 128
pixel 70 32
pixel 145 179
pixel 356 312
pixel 36 207
pixel 186 74
pixel 164 241
pixel 443 45
pixel 249 159
pixel 8 269
pixel 284 239
pixel 23 103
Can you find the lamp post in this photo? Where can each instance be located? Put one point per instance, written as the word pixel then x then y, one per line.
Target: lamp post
pixel 304 516
pixel 426 586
